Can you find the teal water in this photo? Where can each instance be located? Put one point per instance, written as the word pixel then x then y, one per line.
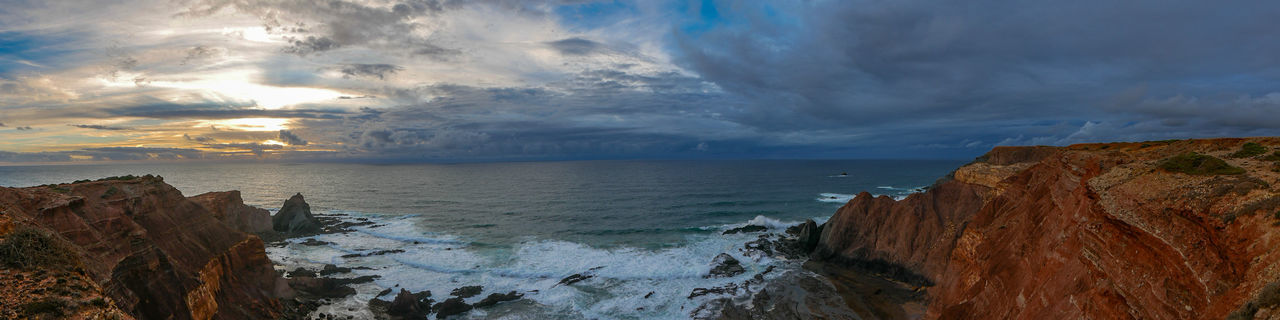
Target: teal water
pixel 639 226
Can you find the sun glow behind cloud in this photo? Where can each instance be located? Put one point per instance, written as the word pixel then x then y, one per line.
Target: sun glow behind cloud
pixel 240 87
pixel 246 124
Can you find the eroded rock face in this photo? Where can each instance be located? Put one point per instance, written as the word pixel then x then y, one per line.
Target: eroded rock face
pixel 229 208
pixel 295 218
pixel 1092 231
pixel 155 253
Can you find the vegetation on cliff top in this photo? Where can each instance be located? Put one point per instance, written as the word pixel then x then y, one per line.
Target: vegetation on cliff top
pixel 1199 164
pixel 120 178
pixel 1249 150
pixel 28 248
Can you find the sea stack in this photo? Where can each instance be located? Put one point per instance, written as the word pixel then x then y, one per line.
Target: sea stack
pixel 295 218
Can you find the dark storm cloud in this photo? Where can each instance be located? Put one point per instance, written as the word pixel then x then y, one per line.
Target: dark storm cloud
pixel 99 127
pixel 595 113
pixel 380 70
pixel 980 66
pixel 575 46
pixel 289 138
pixel 6 156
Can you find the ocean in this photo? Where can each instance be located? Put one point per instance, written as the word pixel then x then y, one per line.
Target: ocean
pixel 635 226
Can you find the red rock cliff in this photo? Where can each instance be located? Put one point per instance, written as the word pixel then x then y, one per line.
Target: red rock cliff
pixel 1094 231
pixel 153 252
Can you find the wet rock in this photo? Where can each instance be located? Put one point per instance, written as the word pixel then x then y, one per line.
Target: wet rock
pixel 761 246
pixel 315 243
pixel 295 218
pixel 795 295
pixel 467 291
pixel 300 272
pixel 809 234
pixel 410 305
pixel 357 280
pixel 383 292
pixel 575 278
pixel 729 289
pixel 321 287
pixel 745 229
pixel 332 269
pixel 375 253
pixel 450 307
pixel 495 298
pixel 327 287
pixel 647 295
pixel 725 266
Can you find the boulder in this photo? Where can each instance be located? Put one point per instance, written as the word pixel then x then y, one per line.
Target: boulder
pixel 321 287
pixel 809 235
pixel 746 228
pixel 495 298
pixel 295 218
pixel 467 291
pixel 575 278
pixel 450 307
pixel 725 266
pixel 332 269
pixel 410 305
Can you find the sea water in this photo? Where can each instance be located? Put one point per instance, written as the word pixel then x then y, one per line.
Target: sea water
pixel 635 226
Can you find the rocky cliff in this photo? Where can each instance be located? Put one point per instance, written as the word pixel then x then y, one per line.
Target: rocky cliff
pixel 228 207
pixel 1183 229
pixel 141 247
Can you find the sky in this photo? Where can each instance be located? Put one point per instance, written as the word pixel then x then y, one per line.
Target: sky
pixel 497 80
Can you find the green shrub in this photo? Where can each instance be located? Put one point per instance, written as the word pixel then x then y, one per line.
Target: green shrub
pixel 1249 150
pixel 28 248
pixel 1274 156
pixel 1199 164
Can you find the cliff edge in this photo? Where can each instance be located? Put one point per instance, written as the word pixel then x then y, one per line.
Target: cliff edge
pixel 1184 229
pixel 133 248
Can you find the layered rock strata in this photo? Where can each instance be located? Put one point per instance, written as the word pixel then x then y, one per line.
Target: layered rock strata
pixel 151 252
pixel 1096 231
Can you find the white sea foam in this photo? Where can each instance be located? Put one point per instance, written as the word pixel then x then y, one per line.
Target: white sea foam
pixel 771 222
pixel 835 197
pixel 902 189
pixel 620 276
pixel 404 229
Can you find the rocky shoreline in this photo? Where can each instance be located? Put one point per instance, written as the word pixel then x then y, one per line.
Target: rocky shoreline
pixel 995 239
